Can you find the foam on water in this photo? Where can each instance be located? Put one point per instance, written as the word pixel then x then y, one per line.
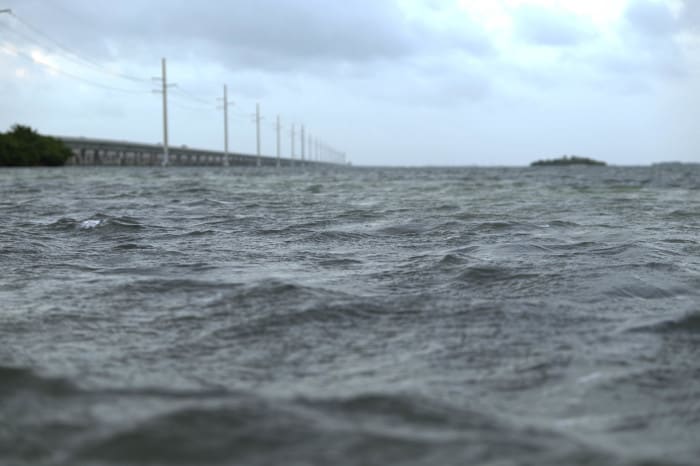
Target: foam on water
pixel 89 224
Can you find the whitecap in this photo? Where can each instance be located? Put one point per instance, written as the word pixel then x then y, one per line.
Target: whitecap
pixel 90 224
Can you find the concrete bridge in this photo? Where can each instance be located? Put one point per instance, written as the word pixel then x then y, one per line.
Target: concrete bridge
pixel 89 151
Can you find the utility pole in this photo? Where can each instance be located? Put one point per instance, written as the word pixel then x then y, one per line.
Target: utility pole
pixel 293 134
pixel 166 155
pixel 310 148
pixel 279 129
pixel 225 107
pixel 257 132
pixel 303 143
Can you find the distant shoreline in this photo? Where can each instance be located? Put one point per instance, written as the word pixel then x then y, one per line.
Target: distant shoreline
pixel 566 161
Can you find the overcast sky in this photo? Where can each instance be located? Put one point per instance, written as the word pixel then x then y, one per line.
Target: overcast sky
pixel 390 82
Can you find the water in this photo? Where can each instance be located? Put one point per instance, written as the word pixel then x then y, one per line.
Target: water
pixel 350 316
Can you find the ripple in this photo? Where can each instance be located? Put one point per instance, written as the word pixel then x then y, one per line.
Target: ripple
pixel 488 274
pixel 686 323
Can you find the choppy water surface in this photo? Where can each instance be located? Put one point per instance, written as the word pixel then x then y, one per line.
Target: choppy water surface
pixel 350 316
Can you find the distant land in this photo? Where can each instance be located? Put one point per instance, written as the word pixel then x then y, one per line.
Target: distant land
pixel 673 164
pixel 24 147
pixel 567 160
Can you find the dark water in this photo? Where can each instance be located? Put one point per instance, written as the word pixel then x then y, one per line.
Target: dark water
pixel 364 317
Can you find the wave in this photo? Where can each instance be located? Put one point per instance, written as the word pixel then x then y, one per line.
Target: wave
pixel 358 215
pixel 488 274
pixel 366 429
pixel 340 262
pixel 208 202
pixel 274 305
pixel 404 229
pixel 24 382
pixel 227 427
pixel 335 236
pixel 646 291
pixel 683 215
pixel 100 222
pixel 688 322
pixel 228 310
pixel 165 285
pixel 491 227
pixel 18 381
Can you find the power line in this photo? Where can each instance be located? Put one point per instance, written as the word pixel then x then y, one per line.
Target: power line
pixel 242 116
pixel 24 37
pixel 192 96
pixel 187 107
pixel 315 150
pixel 70 53
pixel 70 75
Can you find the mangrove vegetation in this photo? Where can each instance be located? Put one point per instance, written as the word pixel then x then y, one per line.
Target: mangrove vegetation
pixel 24 147
pixel 567 160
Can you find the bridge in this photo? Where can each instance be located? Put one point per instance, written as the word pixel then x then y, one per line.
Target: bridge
pixel 90 151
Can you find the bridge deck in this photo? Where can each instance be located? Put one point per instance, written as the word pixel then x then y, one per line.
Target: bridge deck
pixel 90 151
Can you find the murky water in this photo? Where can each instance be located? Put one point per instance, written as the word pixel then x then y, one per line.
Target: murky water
pixel 350 316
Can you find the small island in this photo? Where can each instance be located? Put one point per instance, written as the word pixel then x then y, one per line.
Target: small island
pixel 24 147
pixel 567 160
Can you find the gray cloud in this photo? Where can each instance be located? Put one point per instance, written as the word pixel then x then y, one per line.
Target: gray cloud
pixel 649 33
pixel 431 85
pixel 546 26
pixel 690 17
pixel 651 18
pixel 275 35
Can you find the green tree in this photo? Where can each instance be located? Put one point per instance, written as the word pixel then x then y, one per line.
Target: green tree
pixel 23 146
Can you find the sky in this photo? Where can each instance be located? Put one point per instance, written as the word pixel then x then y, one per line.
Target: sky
pixel 388 82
